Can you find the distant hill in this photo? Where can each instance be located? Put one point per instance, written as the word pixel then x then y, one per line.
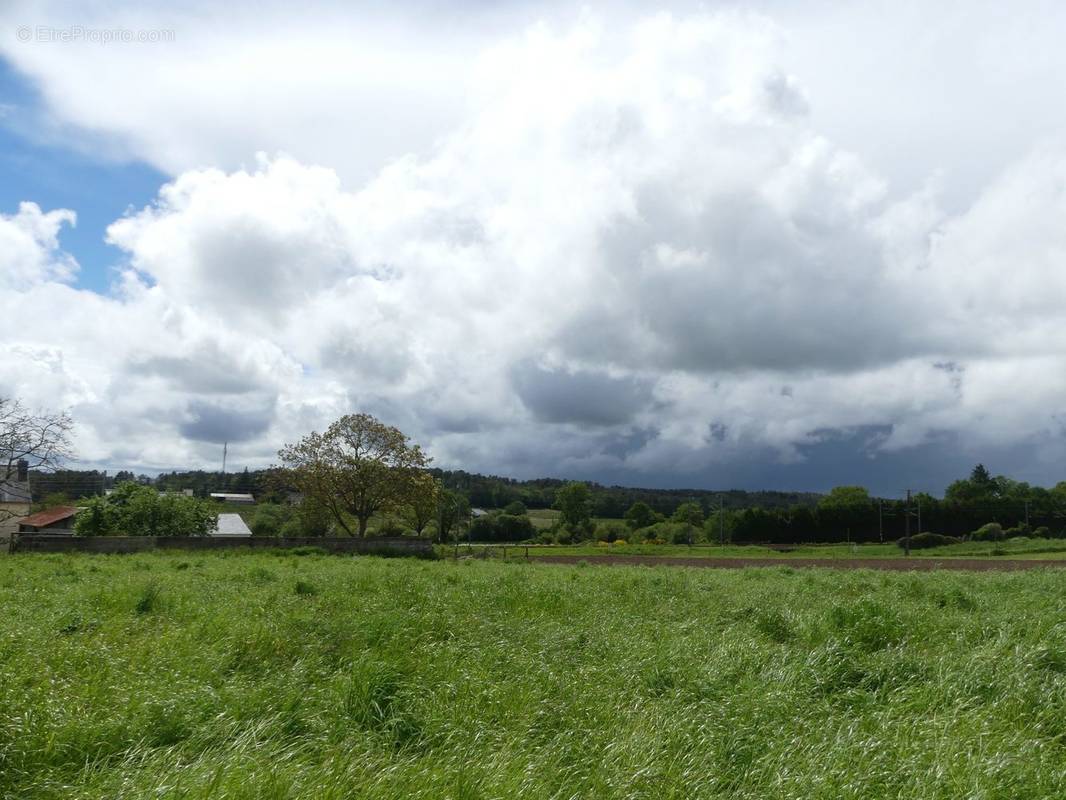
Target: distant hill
pixel 494 491
pixel 484 491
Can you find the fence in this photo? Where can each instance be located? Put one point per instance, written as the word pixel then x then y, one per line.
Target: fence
pixel 380 545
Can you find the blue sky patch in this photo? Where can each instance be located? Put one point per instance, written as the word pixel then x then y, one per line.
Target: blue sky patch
pixel 98 190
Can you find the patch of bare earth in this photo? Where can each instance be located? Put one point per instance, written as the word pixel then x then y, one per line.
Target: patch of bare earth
pixel 919 563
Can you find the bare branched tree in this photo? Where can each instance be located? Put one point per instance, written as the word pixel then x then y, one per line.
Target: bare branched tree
pixel 29 440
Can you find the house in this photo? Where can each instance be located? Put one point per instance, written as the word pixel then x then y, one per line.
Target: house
pixel 230 525
pixel 233 497
pixel 14 498
pixel 58 520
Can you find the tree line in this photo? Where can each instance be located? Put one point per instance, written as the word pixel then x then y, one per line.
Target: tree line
pixel 360 469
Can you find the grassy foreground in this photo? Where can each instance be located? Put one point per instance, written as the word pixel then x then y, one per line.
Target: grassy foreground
pixel 285 676
pixel 1039 549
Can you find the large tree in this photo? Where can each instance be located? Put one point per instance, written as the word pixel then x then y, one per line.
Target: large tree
pixel 358 468
pixel 453 510
pixel 574 502
pixel 30 440
pixel 422 501
pixel 641 515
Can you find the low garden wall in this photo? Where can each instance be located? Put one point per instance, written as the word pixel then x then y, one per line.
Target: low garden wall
pixel 371 545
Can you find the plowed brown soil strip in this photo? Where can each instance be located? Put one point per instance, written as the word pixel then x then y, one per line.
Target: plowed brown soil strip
pixel 917 563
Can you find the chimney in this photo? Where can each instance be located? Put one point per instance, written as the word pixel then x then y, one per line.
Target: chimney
pixel 24 470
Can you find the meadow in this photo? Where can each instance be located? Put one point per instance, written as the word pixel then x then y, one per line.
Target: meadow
pixel 1023 548
pixel 296 675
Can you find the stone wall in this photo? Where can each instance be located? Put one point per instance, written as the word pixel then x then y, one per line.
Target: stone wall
pixel 387 546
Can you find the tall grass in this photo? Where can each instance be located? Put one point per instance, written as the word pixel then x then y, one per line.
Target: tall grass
pixel 406 679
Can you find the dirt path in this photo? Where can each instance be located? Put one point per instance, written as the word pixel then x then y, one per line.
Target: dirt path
pixel 918 563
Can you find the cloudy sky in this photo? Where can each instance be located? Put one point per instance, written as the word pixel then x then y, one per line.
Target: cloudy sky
pixel 780 245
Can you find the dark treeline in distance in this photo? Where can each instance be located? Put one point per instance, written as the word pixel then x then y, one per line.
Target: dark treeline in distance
pixel 493 491
pixel 847 513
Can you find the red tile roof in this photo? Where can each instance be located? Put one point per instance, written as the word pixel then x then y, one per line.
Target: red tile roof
pixel 49 516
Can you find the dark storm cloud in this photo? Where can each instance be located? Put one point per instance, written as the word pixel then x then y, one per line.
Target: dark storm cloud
pixel 210 422
pixel 200 374
pixel 582 397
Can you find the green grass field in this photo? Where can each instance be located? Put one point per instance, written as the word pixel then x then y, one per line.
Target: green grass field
pixel 286 676
pixel 1042 549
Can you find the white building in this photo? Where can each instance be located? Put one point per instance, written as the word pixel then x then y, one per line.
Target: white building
pixel 233 497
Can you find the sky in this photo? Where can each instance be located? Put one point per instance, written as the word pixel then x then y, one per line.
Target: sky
pixel 715 245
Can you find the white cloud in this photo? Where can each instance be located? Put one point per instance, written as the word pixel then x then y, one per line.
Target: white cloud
pixel 635 251
pixel 29 247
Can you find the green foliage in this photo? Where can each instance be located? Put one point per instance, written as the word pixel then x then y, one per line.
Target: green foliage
pixel 640 515
pixel 848 498
pixel 922 541
pixel 688 514
pixel 672 533
pixel 390 526
pixel 992 532
pixel 502 528
pixel 148 600
pixel 516 509
pixel 98 517
pixel 482 529
pixel 396 679
pixel 453 510
pixel 53 499
pixel 269 519
pixel 357 469
pixel 136 510
pixel 612 531
pixel 514 528
pixel 574 503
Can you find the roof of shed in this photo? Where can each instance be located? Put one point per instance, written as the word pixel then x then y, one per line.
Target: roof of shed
pixel 48 516
pixel 231 525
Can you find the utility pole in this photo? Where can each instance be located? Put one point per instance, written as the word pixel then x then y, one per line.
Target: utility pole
pixel 907 528
pixel 880 520
pixel 919 514
pixel 225 447
pixel 721 520
pixel 1027 515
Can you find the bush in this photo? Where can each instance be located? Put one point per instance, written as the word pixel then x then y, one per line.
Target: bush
pixel 515 509
pixel 1043 532
pixel 671 533
pixel 502 528
pixel 136 510
pixel 269 519
pixel 482 529
pixel 292 529
pixel 612 531
pixel 392 527
pixel 923 541
pixel 681 533
pixel 992 532
pixel 514 528
pixel 97 518
pixel 1016 531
